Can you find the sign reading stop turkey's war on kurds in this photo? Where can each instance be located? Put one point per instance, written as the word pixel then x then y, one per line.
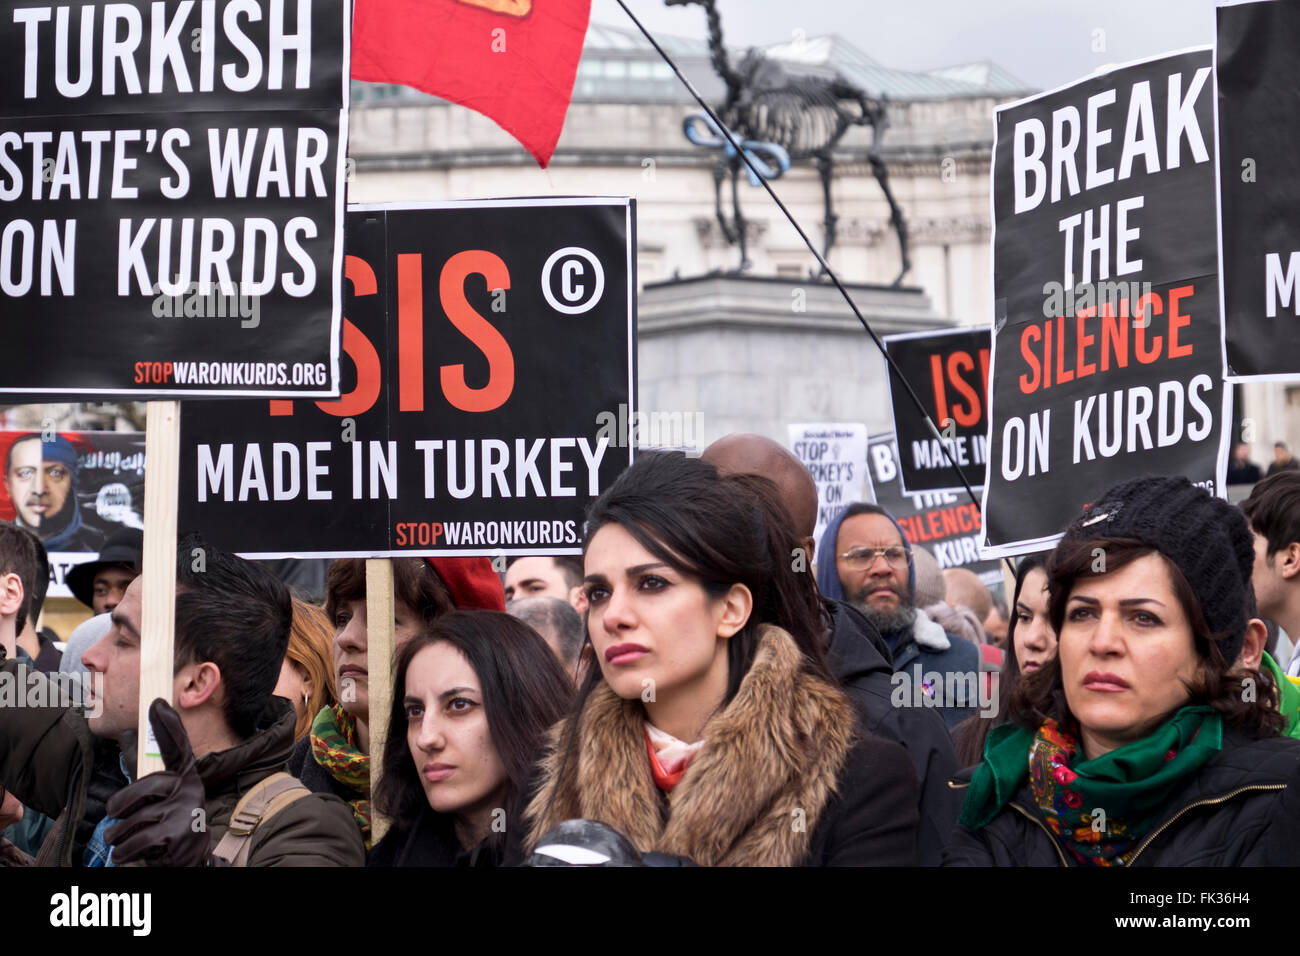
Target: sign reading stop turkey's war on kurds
pixel 488 388
pixel 1107 351
pixel 949 370
pixel 172 186
pixel 833 453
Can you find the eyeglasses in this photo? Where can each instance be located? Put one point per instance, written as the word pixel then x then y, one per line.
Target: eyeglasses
pixel 866 557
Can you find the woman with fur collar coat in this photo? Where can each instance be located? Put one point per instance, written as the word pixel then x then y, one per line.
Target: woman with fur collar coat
pixel 712 729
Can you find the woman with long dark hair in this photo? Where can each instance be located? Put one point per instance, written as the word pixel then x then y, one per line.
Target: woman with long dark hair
pixel 1031 643
pixel 712 729
pixel 1152 736
pixel 473 696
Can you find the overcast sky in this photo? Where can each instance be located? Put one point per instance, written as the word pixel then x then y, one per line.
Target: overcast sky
pixel 1043 42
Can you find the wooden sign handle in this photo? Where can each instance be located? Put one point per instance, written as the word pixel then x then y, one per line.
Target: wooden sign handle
pixel 379 671
pixel 162 447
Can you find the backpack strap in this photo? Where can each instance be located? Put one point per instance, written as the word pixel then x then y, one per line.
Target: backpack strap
pixel 267 798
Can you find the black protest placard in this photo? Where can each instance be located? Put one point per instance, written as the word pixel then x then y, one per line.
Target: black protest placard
pixel 73 489
pixel 1259 192
pixel 949 371
pixel 173 187
pixel 487 392
pixel 1107 351
pixel 946 524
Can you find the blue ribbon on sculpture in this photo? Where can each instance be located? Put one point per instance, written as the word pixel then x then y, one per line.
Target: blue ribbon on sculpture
pixel 777 160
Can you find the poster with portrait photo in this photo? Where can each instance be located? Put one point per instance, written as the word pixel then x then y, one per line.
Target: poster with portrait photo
pixel 73 490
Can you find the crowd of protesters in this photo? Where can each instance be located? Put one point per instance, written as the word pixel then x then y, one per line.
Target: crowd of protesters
pixel 707 684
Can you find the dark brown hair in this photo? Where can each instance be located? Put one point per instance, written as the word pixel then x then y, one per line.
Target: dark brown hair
pixel 718 531
pixel 1218 684
pixel 415 584
pixel 525 691
pixel 969 736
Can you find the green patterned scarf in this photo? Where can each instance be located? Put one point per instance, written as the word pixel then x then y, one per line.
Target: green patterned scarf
pixel 334 746
pixel 1100 809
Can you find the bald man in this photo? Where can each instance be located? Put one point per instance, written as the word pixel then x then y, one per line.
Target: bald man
pixel 856 652
pixel 742 454
pixel 965 587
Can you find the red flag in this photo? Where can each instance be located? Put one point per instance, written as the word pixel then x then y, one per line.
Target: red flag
pixel 511 60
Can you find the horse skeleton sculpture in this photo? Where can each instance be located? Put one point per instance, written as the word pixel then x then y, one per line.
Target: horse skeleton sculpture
pixel 805 117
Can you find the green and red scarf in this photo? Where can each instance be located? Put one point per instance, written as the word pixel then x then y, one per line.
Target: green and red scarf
pixel 1100 809
pixel 334 746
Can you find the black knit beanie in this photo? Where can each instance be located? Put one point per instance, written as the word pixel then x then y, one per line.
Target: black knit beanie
pixel 1207 538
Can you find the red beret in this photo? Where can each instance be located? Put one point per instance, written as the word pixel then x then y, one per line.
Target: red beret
pixel 472 583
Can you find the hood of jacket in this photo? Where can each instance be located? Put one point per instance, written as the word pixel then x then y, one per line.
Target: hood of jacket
pixel 828 574
pixel 777 747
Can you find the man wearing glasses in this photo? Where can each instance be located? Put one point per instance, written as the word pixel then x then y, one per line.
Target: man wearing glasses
pixel 865 559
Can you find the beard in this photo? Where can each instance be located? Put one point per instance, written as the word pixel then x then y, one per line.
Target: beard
pixel 886 620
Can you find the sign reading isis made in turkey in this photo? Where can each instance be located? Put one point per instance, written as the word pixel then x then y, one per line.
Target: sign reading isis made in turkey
pixel 1107 350
pixel 949 371
pixel 487 386
pixel 1259 191
pixel 171 196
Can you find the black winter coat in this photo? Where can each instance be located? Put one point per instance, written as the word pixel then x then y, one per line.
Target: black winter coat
pixel 431 841
pixel 858 656
pixel 1241 809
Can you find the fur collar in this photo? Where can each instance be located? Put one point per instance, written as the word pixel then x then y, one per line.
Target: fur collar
pixel 751 797
pixel 929 634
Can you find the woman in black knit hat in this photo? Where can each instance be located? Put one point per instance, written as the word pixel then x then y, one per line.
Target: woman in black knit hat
pixel 1152 739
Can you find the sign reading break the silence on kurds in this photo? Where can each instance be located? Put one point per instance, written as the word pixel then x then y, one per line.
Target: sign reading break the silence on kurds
pixel 949 370
pixel 1106 348
pixel 486 393
pixel 833 453
pixel 945 523
pixel 73 489
pixel 172 190
pixel 1259 192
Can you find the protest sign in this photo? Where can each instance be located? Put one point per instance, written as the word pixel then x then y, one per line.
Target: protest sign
pixel 1107 352
pixel 833 452
pixel 173 187
pixel 1259 194
pixel 947 524
pixel 74 490
pixel 487 393
pixel 949 370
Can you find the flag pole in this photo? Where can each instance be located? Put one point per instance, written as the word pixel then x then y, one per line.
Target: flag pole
pixel 158 574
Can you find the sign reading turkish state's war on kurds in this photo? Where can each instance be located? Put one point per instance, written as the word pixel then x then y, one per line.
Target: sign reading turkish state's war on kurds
pixel 945 523
pixel 486 393
pixel 1106 349
pixel 949 369
pixel 833 453
pixel 1259 193
pixel 173 196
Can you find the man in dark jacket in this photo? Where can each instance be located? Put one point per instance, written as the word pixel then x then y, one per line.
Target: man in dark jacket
pixel 857 654
pixel 226 734
pixel 865 558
